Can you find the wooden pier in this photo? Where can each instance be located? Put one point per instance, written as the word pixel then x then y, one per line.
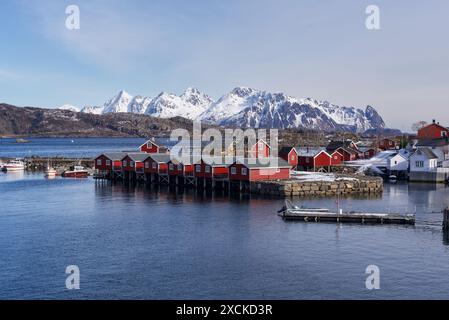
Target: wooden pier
pixel 347 217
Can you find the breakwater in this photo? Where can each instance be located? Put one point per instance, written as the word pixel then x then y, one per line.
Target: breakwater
pixel 342 185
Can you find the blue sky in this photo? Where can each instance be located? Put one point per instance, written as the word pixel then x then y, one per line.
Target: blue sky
pixel 318 49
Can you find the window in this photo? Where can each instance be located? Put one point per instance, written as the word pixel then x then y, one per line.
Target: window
pixel 244 171
pixel 154 165
pixel 260 146
pixel 179 167
pixel 419 164
pixel 293 158
pixel 444 133
pixel 131 163
pixel 207 169
pixel 233 170
pixel 98 162
pixel 198 168
pixel 124 163
pixel 147 165
pixel 108 162
pixel 170 166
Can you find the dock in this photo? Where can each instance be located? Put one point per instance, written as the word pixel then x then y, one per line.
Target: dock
pixel 347 217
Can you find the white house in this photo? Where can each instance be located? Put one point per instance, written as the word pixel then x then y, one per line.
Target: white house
pixel 439 147
pixel 397 162
pixel 423 160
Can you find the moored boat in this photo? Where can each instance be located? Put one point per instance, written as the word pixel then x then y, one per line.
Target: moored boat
pixel 76 172
pixel 50 172
pixel 14 165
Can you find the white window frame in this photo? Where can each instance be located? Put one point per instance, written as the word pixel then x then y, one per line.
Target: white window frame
pixel 207 169
pixel 108 162
pixel 233 170
pixel 124 163
pixel 179 167
pixel 198 168
pixel 244 171
pixel 132 164
pixel 154 165
pixel 99 162
pixel 147 165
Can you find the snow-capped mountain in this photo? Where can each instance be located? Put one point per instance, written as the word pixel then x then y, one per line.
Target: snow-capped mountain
pixel 188 105
pixel 69 107
pixel 246 107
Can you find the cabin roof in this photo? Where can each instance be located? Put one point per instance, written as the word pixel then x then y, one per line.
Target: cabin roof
pixel 273 162
pixel 286 150
pixel 114 156
pixel 138 156
pixel 334 145
pixel 309 152
pixel 159 157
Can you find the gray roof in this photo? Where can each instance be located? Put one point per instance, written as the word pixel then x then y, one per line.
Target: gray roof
pixel 273 162
pixel 114 155
pixel 309 152
pixel 427 152
pixel 139 156
pixel 159 157
pixel 440 142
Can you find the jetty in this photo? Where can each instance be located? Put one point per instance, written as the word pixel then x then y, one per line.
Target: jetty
pixel 346 217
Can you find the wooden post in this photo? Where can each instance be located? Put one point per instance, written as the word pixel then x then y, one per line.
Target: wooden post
pixel 446 219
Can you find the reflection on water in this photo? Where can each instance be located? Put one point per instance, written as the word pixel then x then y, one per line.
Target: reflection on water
pixel 138 242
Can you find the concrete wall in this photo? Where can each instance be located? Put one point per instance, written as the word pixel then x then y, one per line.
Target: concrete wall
pixel 439 176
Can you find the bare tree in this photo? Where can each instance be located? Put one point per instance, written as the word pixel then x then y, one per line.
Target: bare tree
pixel 418 125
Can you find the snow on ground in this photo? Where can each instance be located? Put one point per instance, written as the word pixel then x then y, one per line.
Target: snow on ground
pixel 305 176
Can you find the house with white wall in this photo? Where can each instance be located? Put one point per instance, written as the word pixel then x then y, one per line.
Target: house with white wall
pixel 423 160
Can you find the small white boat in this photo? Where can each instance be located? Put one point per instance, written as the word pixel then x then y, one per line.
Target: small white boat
pixel 393 178
pixel 50 172
pixel 14 165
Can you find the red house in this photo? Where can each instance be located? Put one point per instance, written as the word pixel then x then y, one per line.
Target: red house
pixel 368 153
pixel 314 159
pixel 178 168
pixel 106 163
pixel 156 163
pixel 336 158
pixel 433 131
pixel 260 150
pixel 387 144
pixel 290 155
pixel 348 154
pixel 154 145
pixel 212 168
pixel 253 169
pixel 134 162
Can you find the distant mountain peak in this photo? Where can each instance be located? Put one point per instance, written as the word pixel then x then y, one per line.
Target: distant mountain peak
pixel 247 107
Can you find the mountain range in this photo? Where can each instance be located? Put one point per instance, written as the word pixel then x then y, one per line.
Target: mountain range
pixel 244 107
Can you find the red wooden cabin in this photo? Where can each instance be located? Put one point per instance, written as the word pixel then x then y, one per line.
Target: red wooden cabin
pixel 387 144
pixel 107 162
pixel 154 145
pixel 134 162
pixel 156 163
pixel 348 154
pixel 336 158
pixel 254 169
pixel 179 168
pixel 213 168
pixel 261 149
pixel 313 159
pixel 290 155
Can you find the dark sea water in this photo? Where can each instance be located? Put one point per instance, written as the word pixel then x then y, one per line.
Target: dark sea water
pixel 67 147
pixel 131 242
